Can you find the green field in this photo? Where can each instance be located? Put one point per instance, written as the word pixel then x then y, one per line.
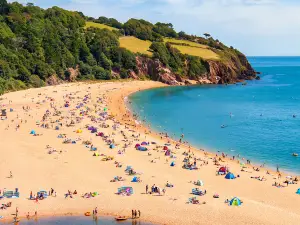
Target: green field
pixel 139 46
pixel 194 49
pixel 98 25
pixel 135 45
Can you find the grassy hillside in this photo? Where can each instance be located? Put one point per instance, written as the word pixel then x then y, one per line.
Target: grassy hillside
pixel 98 25
pixel 192 48
pixel 135 45
pixel 186 47
pixel 140 46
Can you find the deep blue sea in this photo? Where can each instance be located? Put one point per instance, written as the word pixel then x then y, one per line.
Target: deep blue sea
pixel 258 117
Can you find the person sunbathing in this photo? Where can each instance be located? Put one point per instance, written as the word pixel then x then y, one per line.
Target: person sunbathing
pixel 195 201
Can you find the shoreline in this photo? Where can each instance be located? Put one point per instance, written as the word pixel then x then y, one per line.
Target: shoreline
pixel 126 110
pixel 270 203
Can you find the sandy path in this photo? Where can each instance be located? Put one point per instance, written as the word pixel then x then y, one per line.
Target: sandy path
pixel 75 168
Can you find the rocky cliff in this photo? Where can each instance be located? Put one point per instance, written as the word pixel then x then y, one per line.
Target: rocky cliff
pixel 236 69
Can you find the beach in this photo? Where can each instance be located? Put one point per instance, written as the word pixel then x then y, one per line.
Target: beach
pixel 73 166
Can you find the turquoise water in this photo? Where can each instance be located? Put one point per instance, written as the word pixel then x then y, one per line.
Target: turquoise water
pixel 79 221
pixel 258 116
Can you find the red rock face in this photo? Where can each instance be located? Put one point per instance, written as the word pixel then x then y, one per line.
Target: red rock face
pixel 234 70
pixel 155 70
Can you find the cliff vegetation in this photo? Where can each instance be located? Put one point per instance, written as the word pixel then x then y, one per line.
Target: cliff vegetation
pixel 41 47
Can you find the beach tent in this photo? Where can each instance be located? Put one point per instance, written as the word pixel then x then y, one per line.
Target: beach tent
pixel 168 153
pixel 134 179
pixel 222 170
pixel 79 131
pixel 199 183
pixel 172 163
pixel 111 146
pixel 235 202
pixel 298 191
pixel 144 143
pixel 165 148
pixel 32 132
pixel 230 176
pixel 137 145
pixel 140 148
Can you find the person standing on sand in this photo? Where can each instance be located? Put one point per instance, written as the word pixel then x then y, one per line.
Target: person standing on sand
pixel 147 189
pixel 132 214
pixel 139 212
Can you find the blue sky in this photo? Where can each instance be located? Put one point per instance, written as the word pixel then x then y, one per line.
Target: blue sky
pixel 256 27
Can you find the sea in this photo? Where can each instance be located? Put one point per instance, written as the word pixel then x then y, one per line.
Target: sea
pixel 78 220
pixel 259 121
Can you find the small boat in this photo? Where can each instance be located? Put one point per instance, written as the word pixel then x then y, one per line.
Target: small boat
pixel 223 126
pixel 87 213
pixel 121 218
pixel 295 154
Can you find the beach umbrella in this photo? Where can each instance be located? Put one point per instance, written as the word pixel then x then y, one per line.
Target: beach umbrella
pixel 298 191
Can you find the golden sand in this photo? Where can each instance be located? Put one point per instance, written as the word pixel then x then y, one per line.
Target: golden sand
pixel 73 166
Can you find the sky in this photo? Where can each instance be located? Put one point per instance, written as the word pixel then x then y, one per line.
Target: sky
pixel 255 27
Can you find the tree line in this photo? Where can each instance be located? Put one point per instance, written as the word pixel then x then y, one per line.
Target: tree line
pixel 38 44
